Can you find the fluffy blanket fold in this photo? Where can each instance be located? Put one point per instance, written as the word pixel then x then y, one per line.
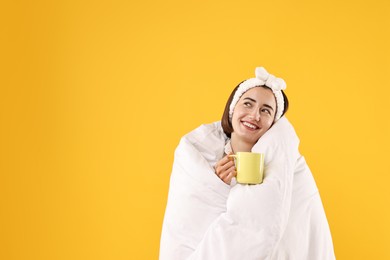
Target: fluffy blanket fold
pixel 282 218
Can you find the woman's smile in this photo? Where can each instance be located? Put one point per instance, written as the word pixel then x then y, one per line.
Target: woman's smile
pixel 250 126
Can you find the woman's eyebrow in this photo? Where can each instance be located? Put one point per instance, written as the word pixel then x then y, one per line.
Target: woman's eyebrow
pixel 251 99
pixel 268 107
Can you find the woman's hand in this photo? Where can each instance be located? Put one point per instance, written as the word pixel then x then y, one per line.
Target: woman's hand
pixel 225 169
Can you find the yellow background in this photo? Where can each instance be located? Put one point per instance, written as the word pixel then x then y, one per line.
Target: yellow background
pixel 95 96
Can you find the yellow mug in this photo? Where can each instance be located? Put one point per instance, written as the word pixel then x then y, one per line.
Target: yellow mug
pixel 250 167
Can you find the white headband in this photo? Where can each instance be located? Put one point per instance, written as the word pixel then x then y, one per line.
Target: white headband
pixel 262 78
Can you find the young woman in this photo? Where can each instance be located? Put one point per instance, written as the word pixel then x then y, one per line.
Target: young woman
pixel 252 116
pixel 208 216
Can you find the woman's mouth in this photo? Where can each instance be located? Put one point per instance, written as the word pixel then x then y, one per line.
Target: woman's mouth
pixel 249 125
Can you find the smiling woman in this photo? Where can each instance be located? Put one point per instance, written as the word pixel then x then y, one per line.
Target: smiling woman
pixel 210 216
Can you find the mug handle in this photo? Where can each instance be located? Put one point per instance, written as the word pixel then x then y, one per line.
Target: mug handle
pixel 233 155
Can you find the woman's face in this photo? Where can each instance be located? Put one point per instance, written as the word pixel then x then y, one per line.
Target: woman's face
pixel 254 114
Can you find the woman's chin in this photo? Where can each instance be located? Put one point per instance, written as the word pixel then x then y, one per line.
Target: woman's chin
pixel 248 139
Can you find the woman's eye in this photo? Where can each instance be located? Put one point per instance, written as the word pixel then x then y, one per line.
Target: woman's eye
pixel 247 104
pixel 266 111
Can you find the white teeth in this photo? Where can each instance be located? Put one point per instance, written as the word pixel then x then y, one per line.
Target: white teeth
pixel 249 125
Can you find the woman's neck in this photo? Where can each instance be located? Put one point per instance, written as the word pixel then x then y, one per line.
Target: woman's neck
pixel 239 145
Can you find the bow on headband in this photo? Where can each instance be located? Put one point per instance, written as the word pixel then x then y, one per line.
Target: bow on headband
pixel 270 80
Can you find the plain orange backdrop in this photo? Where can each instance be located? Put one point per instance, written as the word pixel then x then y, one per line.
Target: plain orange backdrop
pixel 95 96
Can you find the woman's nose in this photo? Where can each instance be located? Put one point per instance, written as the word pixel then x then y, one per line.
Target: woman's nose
pixel 255 114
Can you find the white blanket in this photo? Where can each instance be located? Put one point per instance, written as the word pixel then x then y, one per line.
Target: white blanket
pixel 282 218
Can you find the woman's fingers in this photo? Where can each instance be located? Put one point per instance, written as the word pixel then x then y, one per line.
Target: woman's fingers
pixel 225 169
pixel 229 177
pixel 226 166
pixel 223 161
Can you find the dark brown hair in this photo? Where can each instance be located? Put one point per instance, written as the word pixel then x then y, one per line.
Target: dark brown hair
pixel 227 125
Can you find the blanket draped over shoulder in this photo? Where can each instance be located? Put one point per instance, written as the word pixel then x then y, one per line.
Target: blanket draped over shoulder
pixel 282 218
